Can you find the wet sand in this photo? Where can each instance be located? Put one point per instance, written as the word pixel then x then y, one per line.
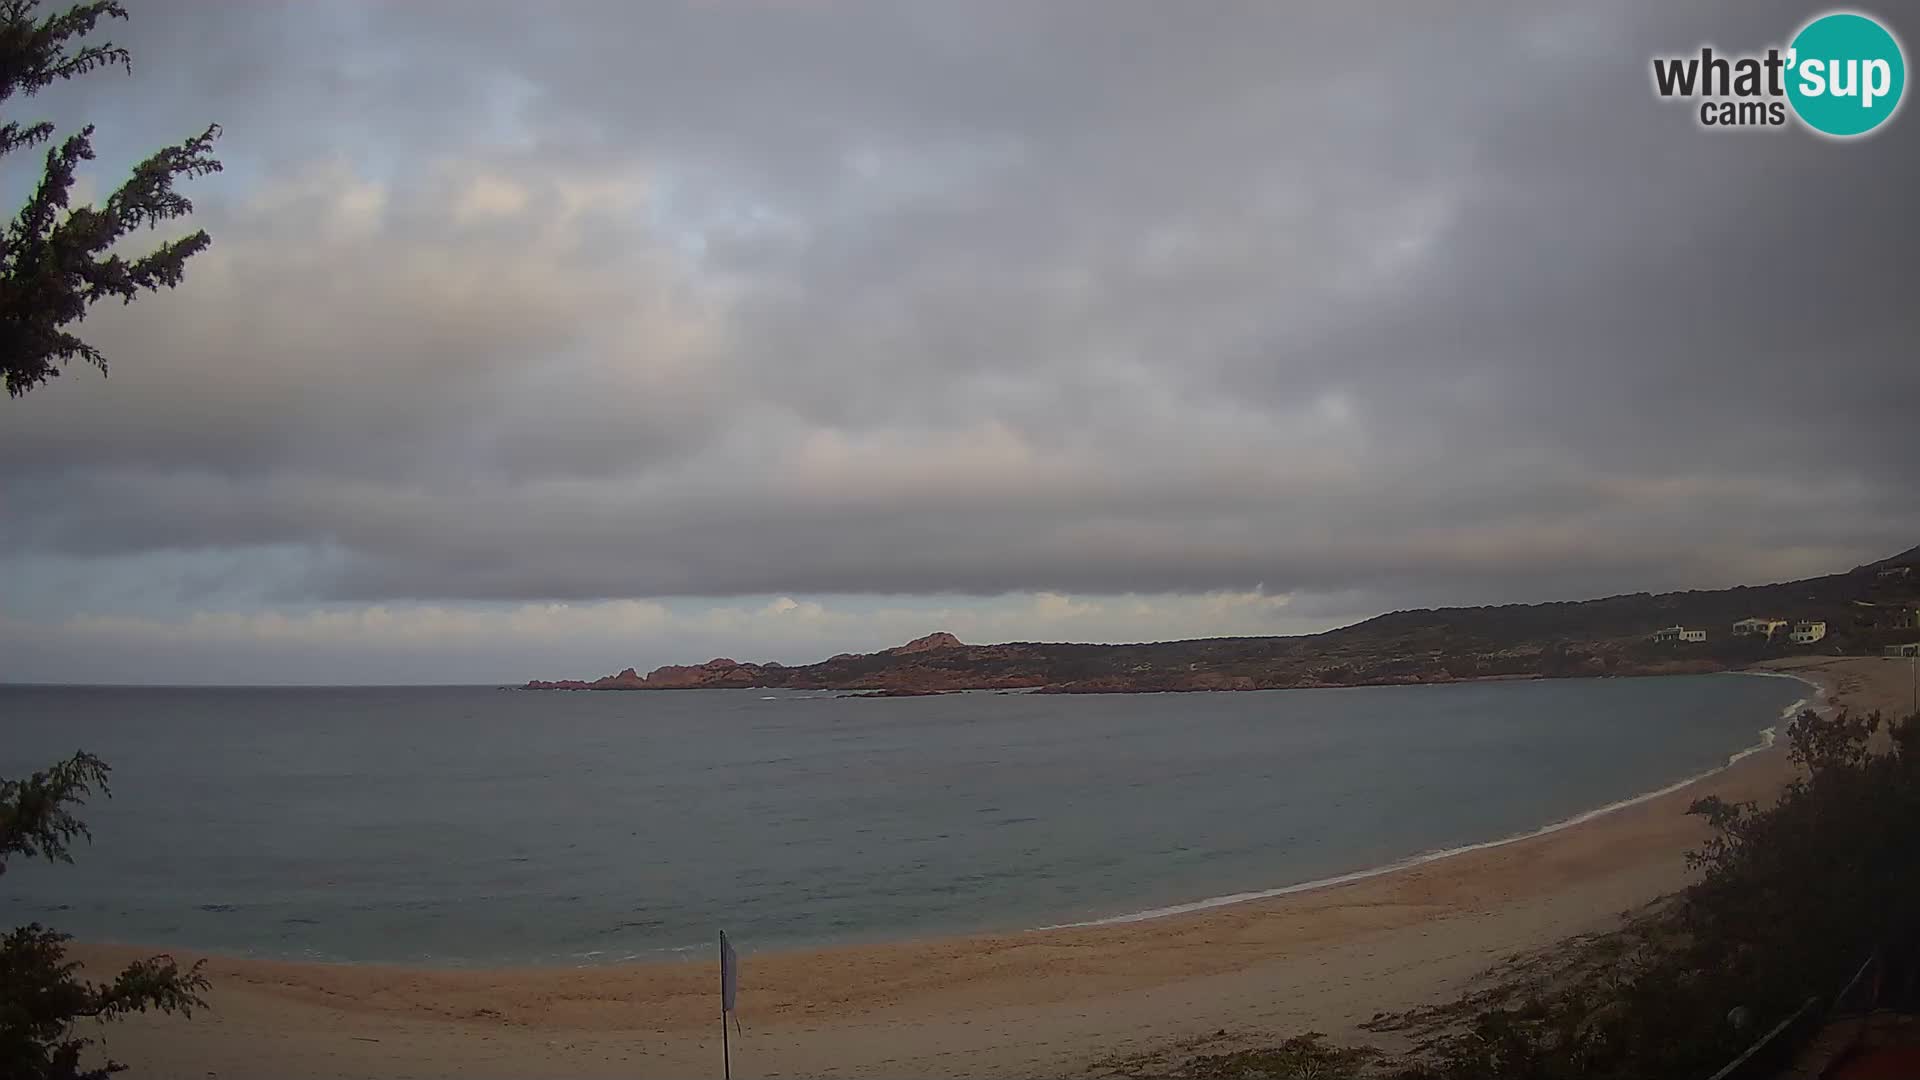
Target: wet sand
pixel 1045 1002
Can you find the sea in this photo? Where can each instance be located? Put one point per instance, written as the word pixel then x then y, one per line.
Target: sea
pixel 477 826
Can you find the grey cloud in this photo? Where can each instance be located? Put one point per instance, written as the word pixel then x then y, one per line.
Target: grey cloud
pixel 1416 306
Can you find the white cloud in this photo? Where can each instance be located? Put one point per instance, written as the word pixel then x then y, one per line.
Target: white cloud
pixel 489 196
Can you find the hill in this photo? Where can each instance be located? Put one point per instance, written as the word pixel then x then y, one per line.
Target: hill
pixel 1864 609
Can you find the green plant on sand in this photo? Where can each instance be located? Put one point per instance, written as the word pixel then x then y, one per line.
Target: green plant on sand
pixel 43 996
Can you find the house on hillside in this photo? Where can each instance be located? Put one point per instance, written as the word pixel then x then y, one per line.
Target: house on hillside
pixel 1765 628
pixel 1808 631
pixel 1679 633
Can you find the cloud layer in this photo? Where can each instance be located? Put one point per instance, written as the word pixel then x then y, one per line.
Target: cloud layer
pixel 675 303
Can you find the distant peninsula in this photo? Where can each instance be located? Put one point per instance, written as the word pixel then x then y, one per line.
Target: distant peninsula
pixel 1868 610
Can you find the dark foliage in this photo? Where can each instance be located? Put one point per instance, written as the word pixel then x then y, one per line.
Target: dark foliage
pixel 34 819
pixel 1303 1057
pixel 54 260
pixel 42 994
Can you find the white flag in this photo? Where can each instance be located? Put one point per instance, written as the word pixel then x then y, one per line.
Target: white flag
pixel 729 973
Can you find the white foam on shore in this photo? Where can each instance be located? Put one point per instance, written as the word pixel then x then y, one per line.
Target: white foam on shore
pixel 1767 737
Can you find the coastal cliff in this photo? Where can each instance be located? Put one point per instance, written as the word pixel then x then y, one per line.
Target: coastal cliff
pixel 1864 610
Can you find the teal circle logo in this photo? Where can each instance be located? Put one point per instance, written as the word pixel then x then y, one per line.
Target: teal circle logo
pixel 1845 74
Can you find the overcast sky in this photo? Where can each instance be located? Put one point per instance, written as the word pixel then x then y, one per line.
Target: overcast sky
pixel 541 340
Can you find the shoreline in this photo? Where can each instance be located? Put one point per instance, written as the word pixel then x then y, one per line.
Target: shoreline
pixel 1768 736
pixel 1318 955
pixel 663 955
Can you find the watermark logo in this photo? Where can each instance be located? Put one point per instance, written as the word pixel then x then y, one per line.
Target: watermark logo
pixel 1842 75
pixel 1850 74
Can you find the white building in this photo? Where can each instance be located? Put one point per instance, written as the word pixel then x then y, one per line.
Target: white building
pixel 1679 633
pixel 1807 631
pixel 1765 628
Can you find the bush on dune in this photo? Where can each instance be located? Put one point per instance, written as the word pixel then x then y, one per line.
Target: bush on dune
pixel 44 1000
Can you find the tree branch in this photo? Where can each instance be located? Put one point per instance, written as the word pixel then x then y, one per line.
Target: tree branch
pixel 34 815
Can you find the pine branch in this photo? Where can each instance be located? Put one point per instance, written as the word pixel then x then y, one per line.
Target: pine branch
pixel 35 819
pixel 55 261
pixel 33 54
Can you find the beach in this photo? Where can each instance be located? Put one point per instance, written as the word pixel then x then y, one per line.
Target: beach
pixel 1045 1002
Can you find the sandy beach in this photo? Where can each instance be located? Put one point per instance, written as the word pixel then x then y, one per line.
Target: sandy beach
pixel 1046 1002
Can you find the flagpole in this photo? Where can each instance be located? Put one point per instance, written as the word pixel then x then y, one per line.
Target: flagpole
pixel 726 1050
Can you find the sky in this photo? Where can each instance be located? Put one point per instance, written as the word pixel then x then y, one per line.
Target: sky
pixel 545 340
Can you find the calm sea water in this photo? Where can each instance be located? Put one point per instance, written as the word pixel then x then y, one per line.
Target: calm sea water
pixel 478 826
